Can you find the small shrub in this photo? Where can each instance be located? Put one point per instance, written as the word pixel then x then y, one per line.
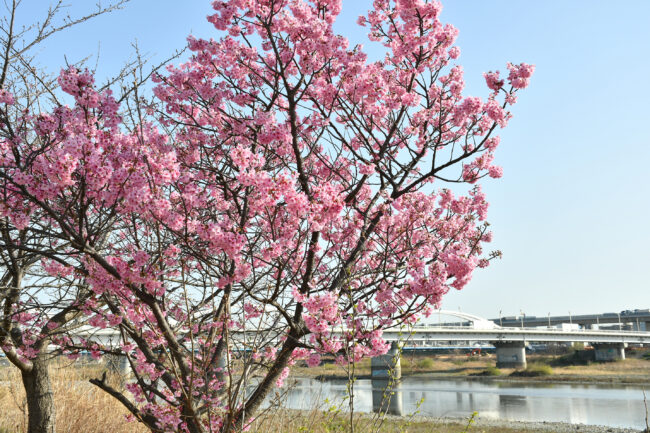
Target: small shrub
pixel 489 371
pixel 646 356
pixel 461 361
pixel 578 357
pixel 535 370
pixel 426 363
pixel 406 363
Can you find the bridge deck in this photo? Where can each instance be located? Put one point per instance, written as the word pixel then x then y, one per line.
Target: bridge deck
pixel 521 334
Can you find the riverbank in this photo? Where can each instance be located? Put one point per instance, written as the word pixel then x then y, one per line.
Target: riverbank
pixel 564 368
pixel 507 426
pixel 290 421
pixel 457 425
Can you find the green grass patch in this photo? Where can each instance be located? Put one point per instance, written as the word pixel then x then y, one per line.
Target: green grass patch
pixel 489 371
pixel 534 370
pixel 461 361
pixel 492 371
pixel 426 363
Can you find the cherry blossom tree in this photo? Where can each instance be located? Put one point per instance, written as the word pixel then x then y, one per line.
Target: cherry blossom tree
pixel 282 197
pixel 39 299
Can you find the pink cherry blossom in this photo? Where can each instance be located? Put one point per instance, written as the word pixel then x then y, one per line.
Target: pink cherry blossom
pixel 278 201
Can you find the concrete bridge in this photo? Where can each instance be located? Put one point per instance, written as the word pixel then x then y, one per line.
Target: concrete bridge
pixel 510 342
pixel 639 319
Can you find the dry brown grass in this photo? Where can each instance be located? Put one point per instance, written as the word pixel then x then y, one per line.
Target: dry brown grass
pixel 287 421
pixel 80 406
pixel 628 367
pixel 635 369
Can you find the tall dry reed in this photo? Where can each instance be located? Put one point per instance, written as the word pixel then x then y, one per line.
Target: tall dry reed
pixel 80 406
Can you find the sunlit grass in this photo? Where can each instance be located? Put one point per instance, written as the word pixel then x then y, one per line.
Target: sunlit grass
pixel 80 406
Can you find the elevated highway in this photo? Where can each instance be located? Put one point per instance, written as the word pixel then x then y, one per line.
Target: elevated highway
pixel 503 334
pixel 639 318
pixel 511 341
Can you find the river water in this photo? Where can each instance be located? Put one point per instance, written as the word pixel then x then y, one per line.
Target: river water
pixel 609 405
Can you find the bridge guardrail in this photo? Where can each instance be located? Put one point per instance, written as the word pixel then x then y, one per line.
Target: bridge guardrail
pixel 519 329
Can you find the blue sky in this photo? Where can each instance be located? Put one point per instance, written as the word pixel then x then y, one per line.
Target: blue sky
pixel 571 213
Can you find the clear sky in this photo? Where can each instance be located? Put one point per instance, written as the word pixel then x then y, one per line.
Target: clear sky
pixel 572 212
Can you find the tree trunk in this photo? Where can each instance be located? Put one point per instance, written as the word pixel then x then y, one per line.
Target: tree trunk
pixel 255 400
pixel 40 399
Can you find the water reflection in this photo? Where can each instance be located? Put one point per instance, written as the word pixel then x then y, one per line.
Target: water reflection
pixel 616 406
pixel 387 396
pixel 518 401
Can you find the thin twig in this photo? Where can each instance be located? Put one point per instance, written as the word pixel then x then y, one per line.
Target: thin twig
pixel 645 404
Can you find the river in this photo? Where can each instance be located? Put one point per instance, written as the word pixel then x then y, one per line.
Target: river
pixel 609 405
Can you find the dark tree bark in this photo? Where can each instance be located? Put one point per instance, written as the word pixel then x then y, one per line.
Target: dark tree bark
pixel 40 399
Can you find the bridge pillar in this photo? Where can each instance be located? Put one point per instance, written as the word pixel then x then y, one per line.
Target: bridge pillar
pixel 511 354
pixel 386 397
pixel 609 351
pixel 647 327
pixel 387 366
